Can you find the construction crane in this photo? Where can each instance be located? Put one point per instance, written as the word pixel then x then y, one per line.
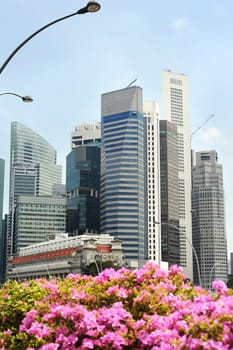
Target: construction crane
pixel 201 126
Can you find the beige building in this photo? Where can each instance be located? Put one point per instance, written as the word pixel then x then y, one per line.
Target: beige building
pixel 176 110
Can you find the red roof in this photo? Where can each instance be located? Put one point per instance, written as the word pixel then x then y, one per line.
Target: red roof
pixel 45 255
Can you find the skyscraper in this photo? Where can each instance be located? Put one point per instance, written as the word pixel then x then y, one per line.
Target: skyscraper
pixel 123 171
pixel 152 181
pixel 85 133
pixel 176 110
pixel 209 239
pixel 2 240
pixel 33 170
pixel 170 238
pixel 37 218
pixel 83 188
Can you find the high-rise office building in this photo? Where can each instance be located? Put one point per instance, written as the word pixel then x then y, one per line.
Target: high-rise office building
pixel 152 181
pixel 209 239
pixel 86 133
pixel 176 110
pixel 33 170
pixel 37 218
pixel 83 188
pixel 170 240
pixel 2 240
pixel 4 245
pixel 231 263
pixel 59 190
pixel 123 171
pixel 2 172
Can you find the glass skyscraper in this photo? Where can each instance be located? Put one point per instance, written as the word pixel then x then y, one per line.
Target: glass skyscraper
pixel 33 170
pixel 27 147
pixel 170 238
pixel 123 171
pixel 2 240
pixel 83 187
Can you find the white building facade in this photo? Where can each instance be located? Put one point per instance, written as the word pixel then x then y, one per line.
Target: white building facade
pixel 175 95
pixel 85 133
pixel 152 181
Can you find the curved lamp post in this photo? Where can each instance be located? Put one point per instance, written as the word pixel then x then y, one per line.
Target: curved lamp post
pixel 99 257
pixel 92 6
pixel 23 98
pixel 211 273
pixel 193 249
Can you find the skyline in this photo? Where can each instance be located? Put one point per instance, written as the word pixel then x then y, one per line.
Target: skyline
pixel 67 68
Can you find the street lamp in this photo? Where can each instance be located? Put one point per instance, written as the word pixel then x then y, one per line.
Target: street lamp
pixel 23 98
pixel 193 249
pixel 92 6
pixel 211 273
pixel 96 265
pixel 99 257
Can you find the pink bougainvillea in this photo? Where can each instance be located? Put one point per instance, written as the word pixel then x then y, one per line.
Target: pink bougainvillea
pixel 142 309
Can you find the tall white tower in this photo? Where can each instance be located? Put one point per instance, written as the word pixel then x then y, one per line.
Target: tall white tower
pixel 175 94
pixel 151 115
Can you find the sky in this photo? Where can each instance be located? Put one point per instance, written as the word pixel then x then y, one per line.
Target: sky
pixel 68 66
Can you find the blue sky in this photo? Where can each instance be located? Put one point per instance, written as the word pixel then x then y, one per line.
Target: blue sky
pixel 67 67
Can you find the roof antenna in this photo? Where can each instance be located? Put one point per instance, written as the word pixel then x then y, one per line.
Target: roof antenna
pixel 132 82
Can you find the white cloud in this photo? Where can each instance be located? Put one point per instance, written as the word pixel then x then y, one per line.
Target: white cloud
pixel 214 137
pixel 212 134
pixel 179 23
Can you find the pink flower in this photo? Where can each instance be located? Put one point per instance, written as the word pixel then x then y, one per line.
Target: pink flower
pixel 39 329
pixel 220 287
pixel 27 321
pixel 50 346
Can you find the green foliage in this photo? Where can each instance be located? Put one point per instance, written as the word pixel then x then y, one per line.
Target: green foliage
pixel 16 299
pixel 142 309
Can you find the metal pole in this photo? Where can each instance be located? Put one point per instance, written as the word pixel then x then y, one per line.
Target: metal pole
pixel 23 98
pixel 83 10
pixel 97 267
pixel 194 252
pixel 193 249
pixel 211 272
pixel 197 261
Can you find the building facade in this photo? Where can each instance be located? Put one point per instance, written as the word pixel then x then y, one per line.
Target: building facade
pixel 152 181
pixel 209 238
pixel 123 171
pixel 170 238
pixel 83 188
pixel 85 134
pixel 175 93
pixel 63 255
pixel 33 170
pixel 37 217
pixel 2 238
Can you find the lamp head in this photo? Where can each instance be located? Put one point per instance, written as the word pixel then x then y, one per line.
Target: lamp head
pixel 92 6
pixel 27 99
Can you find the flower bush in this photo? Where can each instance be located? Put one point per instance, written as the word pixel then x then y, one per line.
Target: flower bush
pixel 142 309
